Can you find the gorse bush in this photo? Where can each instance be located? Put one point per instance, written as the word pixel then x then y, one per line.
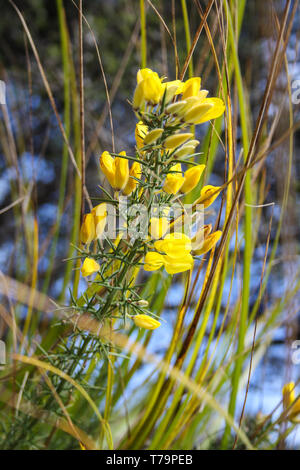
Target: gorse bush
pixel 152 184
pixel 140 317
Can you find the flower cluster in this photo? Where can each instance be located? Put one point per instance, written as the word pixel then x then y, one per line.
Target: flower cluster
pixel 161 172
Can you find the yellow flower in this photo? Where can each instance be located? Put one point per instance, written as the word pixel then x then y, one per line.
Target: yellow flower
pixel 88 231
pixel 187 149
pixel 138 97
pixel 152 136
pixel 209 242
pixel 174 141
pixel 142 74
pixel 140 133
pixel 175 254
pixel 189 103
pixel 208 194
pixel 135 172
pixel 191 178
pixel 89 267
pixel 149 88
pixel 116 169
pixel 203 232
pixel 206 110
pixel 171 89
pixel 153 261
pixel 175 108
pixel 174 245
pixel 158 227
pixel 174 180
pixel 178 265
pixel 202 94
pixel 145 321
pixel 121 172
pixel 99 212
pixel 107 164
pixel 289 403
pixel 191 87
pixel 196 113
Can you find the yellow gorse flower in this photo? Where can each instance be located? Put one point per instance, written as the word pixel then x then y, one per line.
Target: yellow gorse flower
pixel 208 243
pixel 152 136
pixel 116 169
pixel 289 401
pixel 191 178
pixel 145 321
pixel 176 108
pixel 93 224
pixel 149 88
pixel 88 231
pixel 140 133
pixel 174 180
pixel 173 252
pixel 208 195
pixel 89 267
pixel 171 89
pixel 187 149
pixel 99 212
pixel 197 108
pixel 206 110
pixel 107 165
pixel 135 172
pixel 174 141
pixel 190 88
pixel 201 234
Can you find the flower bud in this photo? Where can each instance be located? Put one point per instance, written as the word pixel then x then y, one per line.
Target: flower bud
pixel 152 136
pixel 145 321
pixel 173 141
pixel 187 149
pixel 171 89
pixel 216 110
pixel 142 303
pixel 196 113
pixel 175 108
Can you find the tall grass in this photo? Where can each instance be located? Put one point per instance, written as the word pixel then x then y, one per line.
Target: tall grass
pixel 74 379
